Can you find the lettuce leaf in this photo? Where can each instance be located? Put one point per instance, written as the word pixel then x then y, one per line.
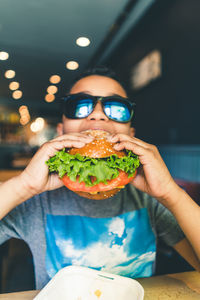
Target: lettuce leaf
pixel 86 168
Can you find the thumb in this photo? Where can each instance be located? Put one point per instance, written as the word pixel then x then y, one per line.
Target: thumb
pixel 138 182
pixel 54 182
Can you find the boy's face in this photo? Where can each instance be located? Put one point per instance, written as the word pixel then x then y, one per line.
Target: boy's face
pixel 97 86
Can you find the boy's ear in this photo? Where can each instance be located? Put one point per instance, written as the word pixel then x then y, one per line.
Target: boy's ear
pixel 132 131
pixel 59 128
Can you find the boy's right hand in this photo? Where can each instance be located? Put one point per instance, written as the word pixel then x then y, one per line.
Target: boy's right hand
pixel 35 178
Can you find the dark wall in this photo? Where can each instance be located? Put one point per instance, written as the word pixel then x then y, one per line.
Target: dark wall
pixel 168 109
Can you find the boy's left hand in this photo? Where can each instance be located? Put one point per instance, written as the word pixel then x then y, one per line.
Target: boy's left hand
pixel 153 177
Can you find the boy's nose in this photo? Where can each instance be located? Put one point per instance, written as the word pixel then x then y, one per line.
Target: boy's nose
pixel 98 113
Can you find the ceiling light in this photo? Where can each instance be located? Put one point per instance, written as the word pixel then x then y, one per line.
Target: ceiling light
pixel 52 89
pixel 72 65
pixel 83 41
pixel 49 98
pixel 24 120
pixel 55 79
pixel 9 74
pixel 17 94
pixel 24 113
pixel 40 122
pixel 14 85
pixel 3 55
pixel 22 109
pixel 37 125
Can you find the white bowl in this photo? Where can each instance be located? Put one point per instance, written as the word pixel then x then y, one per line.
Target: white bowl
pixel 80 283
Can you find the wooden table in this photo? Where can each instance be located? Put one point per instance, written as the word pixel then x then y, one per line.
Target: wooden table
pixel 181 286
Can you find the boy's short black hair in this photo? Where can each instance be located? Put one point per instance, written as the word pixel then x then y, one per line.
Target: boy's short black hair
pixel 97 70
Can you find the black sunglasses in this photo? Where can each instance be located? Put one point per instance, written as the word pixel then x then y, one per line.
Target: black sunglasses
pixel 78 106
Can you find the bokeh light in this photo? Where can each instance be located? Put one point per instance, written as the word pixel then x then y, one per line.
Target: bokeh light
pixel 3 55
pixel 55 79
pixel 83 41
pixel 17 94
pixel 14 85
pixel 37 125
pixel 52 89
pixel 72 65
pixel 9 74
pixel 49 98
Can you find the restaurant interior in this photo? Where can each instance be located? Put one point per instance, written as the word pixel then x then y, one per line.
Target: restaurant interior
pixel 153 45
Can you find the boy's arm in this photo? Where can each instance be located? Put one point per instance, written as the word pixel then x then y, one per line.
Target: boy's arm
pixel 185 249
pixel 35 178
pixel 187 213
pixel 155 180
pixel 12 193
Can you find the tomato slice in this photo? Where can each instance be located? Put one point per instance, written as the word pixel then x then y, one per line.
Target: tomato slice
pixel 121 180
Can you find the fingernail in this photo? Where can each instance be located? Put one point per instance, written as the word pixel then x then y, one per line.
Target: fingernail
pixel 88 136
pixel 111 137
pixel 116 146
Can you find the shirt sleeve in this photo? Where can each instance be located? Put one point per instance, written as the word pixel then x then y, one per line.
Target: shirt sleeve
pixel 7 229
pixel 13 224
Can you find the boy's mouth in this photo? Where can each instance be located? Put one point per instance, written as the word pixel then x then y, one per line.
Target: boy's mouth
pixel 96 127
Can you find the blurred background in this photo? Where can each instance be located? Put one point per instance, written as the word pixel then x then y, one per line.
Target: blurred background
pixel 154 47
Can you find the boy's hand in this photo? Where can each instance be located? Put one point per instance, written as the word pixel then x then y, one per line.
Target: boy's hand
pixel 153 177
pixel 36 178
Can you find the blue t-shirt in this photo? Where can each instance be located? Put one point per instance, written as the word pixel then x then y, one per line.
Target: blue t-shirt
pixel 118 235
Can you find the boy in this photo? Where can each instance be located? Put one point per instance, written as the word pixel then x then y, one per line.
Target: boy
pixel 117 235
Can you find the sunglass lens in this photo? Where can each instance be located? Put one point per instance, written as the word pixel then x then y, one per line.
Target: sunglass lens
pixel 83 108
pixel 117 111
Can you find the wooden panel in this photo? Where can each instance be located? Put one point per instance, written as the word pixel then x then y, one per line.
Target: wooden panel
pixel 7 174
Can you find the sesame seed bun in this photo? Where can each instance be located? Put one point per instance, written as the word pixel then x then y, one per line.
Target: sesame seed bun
pixel 100 147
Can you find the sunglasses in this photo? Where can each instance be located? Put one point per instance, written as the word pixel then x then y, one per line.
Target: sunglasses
pixel 116 108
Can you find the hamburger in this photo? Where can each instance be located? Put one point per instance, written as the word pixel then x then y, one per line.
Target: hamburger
pixel 95 171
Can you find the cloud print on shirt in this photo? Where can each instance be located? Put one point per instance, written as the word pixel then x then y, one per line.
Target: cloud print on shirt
pixel 123 245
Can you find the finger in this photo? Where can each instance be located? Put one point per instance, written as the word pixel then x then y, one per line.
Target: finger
pixel 54 182
pixel 138 182
pixel 75 137
pixel 142 143
pixel 122 137
pixel 137 149
pixel 145 155
pixel 48 149
pixel 117 137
